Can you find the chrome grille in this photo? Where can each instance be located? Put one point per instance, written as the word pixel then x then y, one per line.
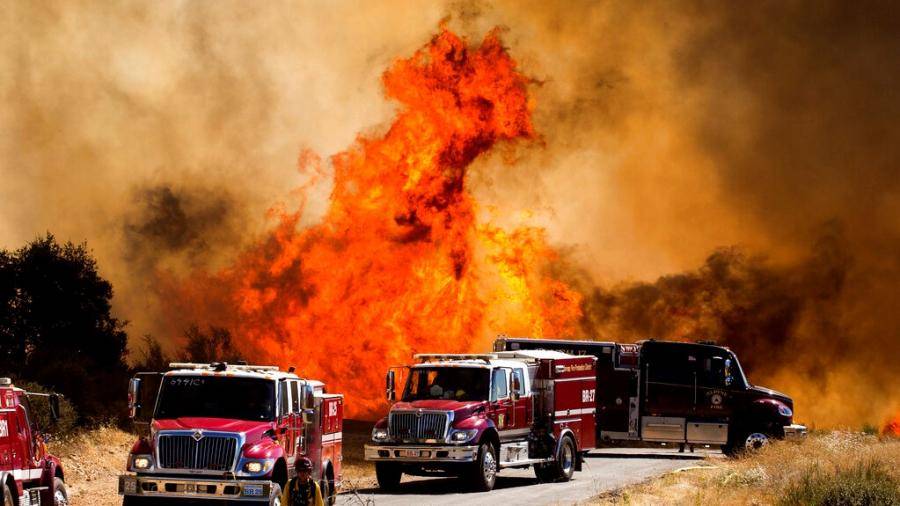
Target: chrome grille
pixel 210 453
pixel 408 426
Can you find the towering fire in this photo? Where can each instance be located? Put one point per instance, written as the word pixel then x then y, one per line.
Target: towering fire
pixel 399 264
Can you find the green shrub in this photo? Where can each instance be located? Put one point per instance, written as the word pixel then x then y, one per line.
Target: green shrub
pixel 864 484
pixel 40 409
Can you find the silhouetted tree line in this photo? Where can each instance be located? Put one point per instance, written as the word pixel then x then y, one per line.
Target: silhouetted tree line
pixel 56 330
pixel 213 345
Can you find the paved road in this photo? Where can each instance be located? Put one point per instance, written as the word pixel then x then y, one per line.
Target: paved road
pixel 604 470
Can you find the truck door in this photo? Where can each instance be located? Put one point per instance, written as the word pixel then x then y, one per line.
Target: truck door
pixel 714 399
pixel 296 418
pixel 501 405
pixel 669 378
pixel 285 423
pixel 5 438
pixel 522 407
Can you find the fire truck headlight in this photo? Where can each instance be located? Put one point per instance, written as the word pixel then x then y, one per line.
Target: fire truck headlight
pixel 462 436
pixel 379 435
pixel 785 411
pixel 141 462
pixel 253 467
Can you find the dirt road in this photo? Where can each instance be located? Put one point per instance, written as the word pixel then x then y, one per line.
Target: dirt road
pixel 604 470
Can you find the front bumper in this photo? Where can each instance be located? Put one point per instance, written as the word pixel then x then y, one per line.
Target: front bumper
pixel 193 488
pixel 794 432
pixel 421 454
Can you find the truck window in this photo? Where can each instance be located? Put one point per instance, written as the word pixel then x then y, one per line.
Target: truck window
pixel 455 383
pixel 499 385
pixel 216 397
pixel 295 397
pixel 672 368
pixel 520 374
pixel 713 373
pixel 285 398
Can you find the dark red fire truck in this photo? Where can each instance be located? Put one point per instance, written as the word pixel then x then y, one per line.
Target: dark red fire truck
pixel 230 433
pixel 676 392
pixel 29 475
pixel 473 415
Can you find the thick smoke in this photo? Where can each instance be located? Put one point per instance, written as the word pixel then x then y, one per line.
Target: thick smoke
pixel 741 157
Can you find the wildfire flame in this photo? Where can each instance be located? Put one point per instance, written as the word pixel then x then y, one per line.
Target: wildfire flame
pixel 399 264
pixel 892 427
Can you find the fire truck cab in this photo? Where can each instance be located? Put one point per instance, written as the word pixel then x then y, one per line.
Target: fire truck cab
pixel 472 415
pixel 29 475
pixel 230 433
pixel 676 392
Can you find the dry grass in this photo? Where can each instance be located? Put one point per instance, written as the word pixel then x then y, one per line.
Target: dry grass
pixel 831 468
pixel 94 459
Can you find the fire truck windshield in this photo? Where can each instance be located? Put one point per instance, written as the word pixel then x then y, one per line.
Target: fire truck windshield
pixel 216 397
pixel 452 383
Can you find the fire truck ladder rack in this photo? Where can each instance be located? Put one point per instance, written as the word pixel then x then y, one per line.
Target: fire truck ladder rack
pixel 193 365
pixel 485 357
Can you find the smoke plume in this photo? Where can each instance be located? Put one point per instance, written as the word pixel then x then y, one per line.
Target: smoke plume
pixel 709 169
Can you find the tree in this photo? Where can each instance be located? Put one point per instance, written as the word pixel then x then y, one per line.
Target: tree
pixel 56 328
pixel 215 346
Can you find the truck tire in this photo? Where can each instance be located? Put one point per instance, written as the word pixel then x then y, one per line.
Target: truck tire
pixel 483 473
pixel 563 466
pixel 388 475
pixel 60 495
pixel 746 441
pixel 7 495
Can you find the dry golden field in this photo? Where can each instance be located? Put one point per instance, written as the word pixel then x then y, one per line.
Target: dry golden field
pixel 828 468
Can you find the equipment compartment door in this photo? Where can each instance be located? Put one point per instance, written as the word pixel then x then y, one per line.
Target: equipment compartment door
pixel 669 383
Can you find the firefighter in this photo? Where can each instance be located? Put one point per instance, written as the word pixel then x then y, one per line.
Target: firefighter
pixel 302 490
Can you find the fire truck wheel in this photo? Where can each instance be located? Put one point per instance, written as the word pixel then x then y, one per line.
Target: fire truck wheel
pixel 7 495
pixel 388 475
pixel 60 496
pixel 484 470
pixel 563 467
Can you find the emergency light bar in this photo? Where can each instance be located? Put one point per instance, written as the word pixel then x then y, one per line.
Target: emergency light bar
pixel 192 365
pixel 455 356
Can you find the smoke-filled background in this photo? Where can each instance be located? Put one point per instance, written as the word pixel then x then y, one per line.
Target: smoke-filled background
pixel 709 170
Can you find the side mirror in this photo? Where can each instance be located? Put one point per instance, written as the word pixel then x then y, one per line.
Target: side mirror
pixel 308 403
pixel 516 386
pixel 134 398
pixel 729 379
pixel 390 390
pixel 53 400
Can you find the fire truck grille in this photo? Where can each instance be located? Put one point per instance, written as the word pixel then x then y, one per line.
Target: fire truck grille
pixel 418 426
pixel 210 453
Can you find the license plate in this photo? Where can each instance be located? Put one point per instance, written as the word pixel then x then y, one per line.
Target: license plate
pixel 412 453
pixel 253 490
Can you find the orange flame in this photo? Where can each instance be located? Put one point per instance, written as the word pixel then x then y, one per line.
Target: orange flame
pixel 892 427
pixel 399 264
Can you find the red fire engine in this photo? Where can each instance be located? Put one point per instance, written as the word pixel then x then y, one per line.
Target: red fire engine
pixel 473 415
pixel 29 475
pixel 231 433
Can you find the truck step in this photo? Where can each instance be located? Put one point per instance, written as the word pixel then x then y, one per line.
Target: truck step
pixel 523 463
